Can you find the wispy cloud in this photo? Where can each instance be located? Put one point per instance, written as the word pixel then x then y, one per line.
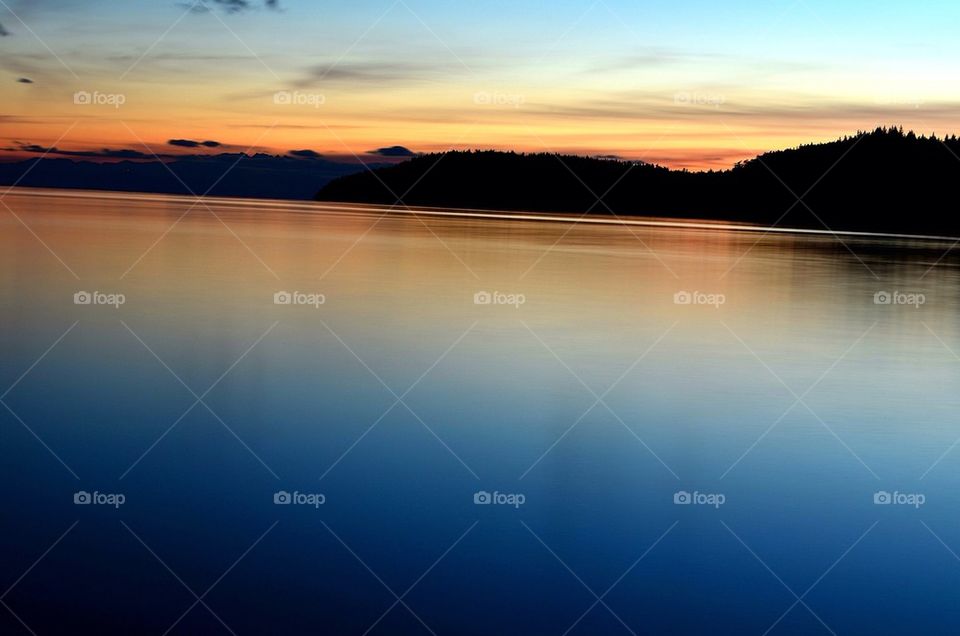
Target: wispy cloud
pixel 644 60
pixel 230 6
pixel 378 73
pixel 19 119
pixel 104 153
pixel 729 103
pixel 109 153
pixel 225 151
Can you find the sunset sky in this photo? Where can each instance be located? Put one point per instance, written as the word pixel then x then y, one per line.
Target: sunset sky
pixel 687 83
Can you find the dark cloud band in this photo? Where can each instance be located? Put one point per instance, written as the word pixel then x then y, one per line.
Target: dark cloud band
pixel 306 154
pixel 189 143
pixel 108 153
pixel 393 151
pixel 230 6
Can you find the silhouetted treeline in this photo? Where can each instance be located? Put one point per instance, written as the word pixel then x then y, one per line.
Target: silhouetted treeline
pixel 884 180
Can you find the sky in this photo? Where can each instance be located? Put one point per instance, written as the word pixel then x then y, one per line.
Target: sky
pixel 690 84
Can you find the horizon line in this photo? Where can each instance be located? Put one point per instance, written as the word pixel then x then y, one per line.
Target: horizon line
pixel 368 157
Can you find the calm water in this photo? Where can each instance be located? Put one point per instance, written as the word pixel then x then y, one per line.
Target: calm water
pixel 783 408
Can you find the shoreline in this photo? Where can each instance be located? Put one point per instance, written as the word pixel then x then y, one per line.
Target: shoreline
pixel 296 205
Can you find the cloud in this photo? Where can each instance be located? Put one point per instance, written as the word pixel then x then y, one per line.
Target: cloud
pixel 107 153
pixel 123 153
pixel 3 32
pixel 726 104
pixel 306 154
pixel 34 148
pixel 638 61
pixel 24 80
pixel 17 119
pixel 189 143
pixel 393 151
pixel 230 6
pixel 376 73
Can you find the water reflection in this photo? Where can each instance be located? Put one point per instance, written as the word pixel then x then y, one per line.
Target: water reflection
pixel 598 399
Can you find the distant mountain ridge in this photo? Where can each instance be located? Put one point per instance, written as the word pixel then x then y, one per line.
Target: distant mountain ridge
pixel 885 181
pixel 259 176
